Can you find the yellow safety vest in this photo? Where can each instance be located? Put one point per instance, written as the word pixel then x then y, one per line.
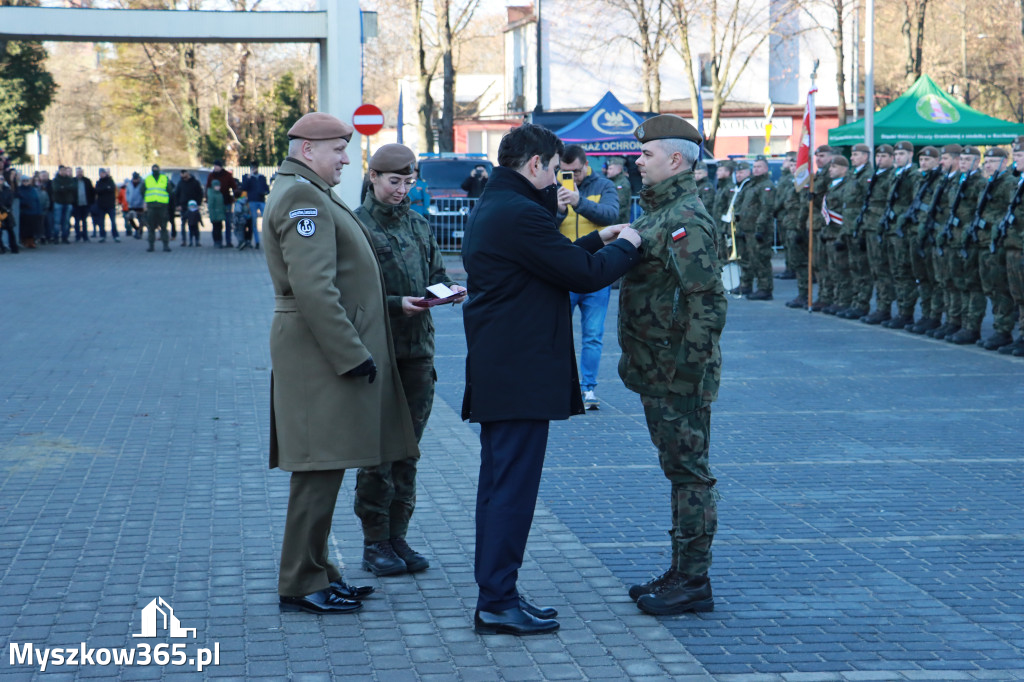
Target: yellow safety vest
pixel 156 190
pixel 575 226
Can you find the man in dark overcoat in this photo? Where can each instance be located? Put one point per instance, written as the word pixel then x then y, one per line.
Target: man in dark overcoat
pixel 336 397
pixel 521 368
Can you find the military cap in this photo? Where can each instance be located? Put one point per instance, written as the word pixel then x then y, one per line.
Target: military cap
pixel 997 152
pixel 741 165
pixel 701 166
pixel 393 158
pixel 666 127
pixel 1018 144
pixel 840 160
pixel 884 149
pixel 615 161
pixel 791 156
pixel 317 125
pixel 952 149
pixel 727 164
pixel 905 146
pixel 861 148
pixel 824 148
pixel 970 150
pixel 929 151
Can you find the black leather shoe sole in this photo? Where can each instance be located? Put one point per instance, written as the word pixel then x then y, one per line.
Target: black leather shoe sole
pixel 354 592
pixel 658 608
pixel 309 606
pixel 380 571
pixel 543 627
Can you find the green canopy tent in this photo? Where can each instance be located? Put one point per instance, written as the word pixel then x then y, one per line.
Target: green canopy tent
pixel 924 115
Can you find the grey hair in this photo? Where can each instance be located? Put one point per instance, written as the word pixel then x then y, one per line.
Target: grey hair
pixel 689 150
pixel 295 147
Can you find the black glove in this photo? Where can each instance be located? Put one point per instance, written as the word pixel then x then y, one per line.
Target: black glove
pixel 368 368
pixel 801 239
pixel 759 236
pixel 840 246
pixel 863 244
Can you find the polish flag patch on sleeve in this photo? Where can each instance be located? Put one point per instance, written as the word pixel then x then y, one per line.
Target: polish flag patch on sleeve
pixel 679 234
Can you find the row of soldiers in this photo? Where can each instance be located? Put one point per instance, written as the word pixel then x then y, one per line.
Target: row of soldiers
pixel 945 232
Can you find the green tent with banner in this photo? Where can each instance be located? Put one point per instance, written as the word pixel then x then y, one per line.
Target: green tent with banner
pixel 925 115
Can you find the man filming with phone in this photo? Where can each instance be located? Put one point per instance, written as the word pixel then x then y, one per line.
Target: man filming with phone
pixel 586 203
pixel 475 183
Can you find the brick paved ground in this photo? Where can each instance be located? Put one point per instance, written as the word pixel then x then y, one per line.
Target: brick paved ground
pixel 870 516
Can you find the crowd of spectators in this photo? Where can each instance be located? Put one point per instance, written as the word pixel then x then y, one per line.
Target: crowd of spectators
pixel 38 210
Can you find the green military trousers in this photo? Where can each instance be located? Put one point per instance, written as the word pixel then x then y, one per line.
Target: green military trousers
pixel 968 282
pixel 820 264
pixel 923 268
pixel 860 272
pixel 992 269
pixel 796 260
pixel 386 494
pixel 885 292
pixel 897 252
pixel 1015 277
pixel 840 291
pixel 682 438
pixel 305 564
pixel 952 269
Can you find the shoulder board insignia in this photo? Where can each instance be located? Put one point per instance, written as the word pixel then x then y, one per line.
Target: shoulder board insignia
pixel 302 213
pixel 679 234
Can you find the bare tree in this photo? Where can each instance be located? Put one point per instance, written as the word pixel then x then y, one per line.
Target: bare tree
pixel 736 31
pixel 652 37
pixel 838 12
pixel 913 37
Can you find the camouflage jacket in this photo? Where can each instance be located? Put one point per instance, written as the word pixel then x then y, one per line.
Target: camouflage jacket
pixel 945 186
pixel 901 195
pixel 753 208
pixel 1003 187
pixel 786 209
pixel 821 183
pixel 672 304
pixel 723 195
pixel 881 182
pixel 1014 238
pixel 625 193
pixel 913 219
pixel 706 192
pixel 863 176
pixel 410 261
pixel 842 197
pixel 969 188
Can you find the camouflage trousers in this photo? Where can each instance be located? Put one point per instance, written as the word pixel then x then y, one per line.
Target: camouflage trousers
pixel 796 260
pixel 923 268
pixel 952 269
pixel 878 261
pixel 819 263
pixel 860 272
pixel 840 289
pixel 386 494
pixel 992 271
pixel 1015 278
pixel 682 438
pixel 897 252
pixel 757 263
pixel 723 242
pixel 968 282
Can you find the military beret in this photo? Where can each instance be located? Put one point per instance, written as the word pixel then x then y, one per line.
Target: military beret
pixel 840 160
pixel 741 165
pixel 929 151
pixel 952 149
pixel 791 156
pixel 727 164
pixel 317 125
pixel 862 148
pixel 997 152
pixel 1018 144
pixel 904 146
pixel 615 161
pixel 666 127
pixel 701 166
pixel 970 150
pixel 884 149
pixel 393 158
pixel 824 148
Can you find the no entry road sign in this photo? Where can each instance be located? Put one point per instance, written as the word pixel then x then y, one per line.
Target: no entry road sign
pixel 368 119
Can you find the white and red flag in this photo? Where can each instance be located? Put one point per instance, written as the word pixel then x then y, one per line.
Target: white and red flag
pixel 806 149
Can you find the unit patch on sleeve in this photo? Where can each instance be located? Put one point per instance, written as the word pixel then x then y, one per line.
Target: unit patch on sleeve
pixel 306 227
pixel 679 234
pixel 302 212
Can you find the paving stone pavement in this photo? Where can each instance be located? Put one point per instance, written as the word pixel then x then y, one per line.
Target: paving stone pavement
pixel 870 517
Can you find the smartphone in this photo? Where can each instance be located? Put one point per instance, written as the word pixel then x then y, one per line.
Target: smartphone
pixel 565 179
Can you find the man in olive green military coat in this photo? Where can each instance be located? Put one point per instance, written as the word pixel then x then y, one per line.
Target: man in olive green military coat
pixel 944 295
pixel 336 399
pixel 705 188
pixel 724 187
pixel 1010 237
pixel 672 309
pixel 991 260
pixel 901 195
pixel 786 209
pixel 881 183
pixel 620 178
pixel 840 207
pixel 861 171
pixel 964 271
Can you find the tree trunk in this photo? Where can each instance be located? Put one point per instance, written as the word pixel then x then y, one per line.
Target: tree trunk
pixel 922 7
pixel 446 129
pixel 908 44
pixel 236 114
pixel 425 112
pixel 838 46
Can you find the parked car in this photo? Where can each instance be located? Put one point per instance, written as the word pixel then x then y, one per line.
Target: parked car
pixel 449 205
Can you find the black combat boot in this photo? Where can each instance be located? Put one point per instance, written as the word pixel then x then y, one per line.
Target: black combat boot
pixel 965 337
pixel 876 317
pixel 1010 348
pixel 950 333
pixel 797 302
pixel 651 586
pixel 819 305
pixel 926 324
pixel 760 295
pixel 380 559
pixel 680 594
pixel 997 341
pixel 414 561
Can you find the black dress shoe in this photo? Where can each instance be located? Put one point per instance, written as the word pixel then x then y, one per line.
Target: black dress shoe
pixel 380 559
pixel 414 561
pixel 324 601
pixel 513 621
pixel 537 611
pixel 353 592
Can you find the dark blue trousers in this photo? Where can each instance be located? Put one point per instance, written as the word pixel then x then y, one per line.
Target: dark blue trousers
pixel 511 461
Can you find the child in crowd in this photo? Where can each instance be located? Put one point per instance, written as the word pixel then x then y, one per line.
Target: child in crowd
pixel 243 223
pixel 193 219
pixel 215 205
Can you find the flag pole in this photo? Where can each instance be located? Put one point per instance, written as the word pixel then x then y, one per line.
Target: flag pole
pixel 810 203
